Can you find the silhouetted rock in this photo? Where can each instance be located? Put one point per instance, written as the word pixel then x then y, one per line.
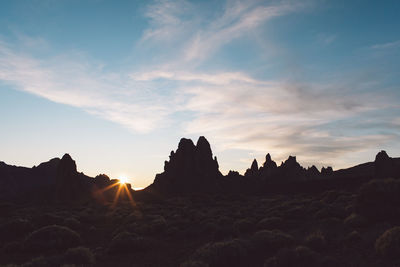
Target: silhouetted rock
pixel 253 171
pixel 327 171
pixel 313 171
pixel 69 186
pixel 269 163
pixel 384 165
pixel 190 169
pixel 102 181
pixel 291 169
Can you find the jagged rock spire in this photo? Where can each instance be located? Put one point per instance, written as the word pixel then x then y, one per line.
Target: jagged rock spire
pixel 384 165
pixel 269 163
pixel 190 168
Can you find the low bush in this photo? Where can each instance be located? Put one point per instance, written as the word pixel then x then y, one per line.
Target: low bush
pixel 352 239
pixel 52 237
pixel 355 220
pixel 316 241
pixel 194 264
pixel 270 223
pixel 72 223
pixel 79 256
pixel 299 256
pixel 223 254
pixel 388 244
pixel 379 199
pixel 15 229
pixel 267 242
pixel 243 226
pixel 127 242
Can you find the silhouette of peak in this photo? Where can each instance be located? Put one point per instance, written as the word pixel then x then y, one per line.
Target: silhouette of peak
pixel 186 145
pixel 253 171
pixel 254 165
pixel 269 163
pixel 67 164
pixel 313 171
pixel 327 171
pixel 190 168
pixel 203 146
pixel 382 156
pixel 385 166
pixel 290 162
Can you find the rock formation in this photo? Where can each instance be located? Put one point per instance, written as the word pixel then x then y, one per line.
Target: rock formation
pixel 253 171
pixel 191 168
pixel 69 186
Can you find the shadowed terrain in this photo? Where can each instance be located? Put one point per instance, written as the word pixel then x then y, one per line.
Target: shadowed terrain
pixel 193 215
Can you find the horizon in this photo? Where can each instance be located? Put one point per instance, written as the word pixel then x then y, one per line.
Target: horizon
pixel 116 85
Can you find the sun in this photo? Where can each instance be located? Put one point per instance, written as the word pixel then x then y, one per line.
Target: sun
pixel 122 180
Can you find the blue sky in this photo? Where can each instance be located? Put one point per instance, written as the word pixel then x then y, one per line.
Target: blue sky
pixel 117 83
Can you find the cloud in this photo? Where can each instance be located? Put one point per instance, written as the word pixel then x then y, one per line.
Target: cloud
pixel 390 45
pixel 166 20
pixel 235 22
pixel 72 81
pixel 326 39
pixel 174 21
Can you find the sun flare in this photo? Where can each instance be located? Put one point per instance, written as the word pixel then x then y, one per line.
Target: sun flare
pixel 123 180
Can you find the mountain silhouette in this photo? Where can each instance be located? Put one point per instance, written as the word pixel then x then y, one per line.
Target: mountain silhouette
pixel 190 169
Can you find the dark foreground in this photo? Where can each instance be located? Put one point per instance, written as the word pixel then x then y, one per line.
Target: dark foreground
pixel 332 228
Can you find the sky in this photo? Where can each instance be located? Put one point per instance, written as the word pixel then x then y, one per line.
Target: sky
pixel 116 84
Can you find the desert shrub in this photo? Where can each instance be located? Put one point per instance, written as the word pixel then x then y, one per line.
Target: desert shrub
pixel 12 247
pixel 72 223
pixel 79 255
pixel 14 229
pixel 352 239
pixel 191 263
pixel 49 261
pixel 37 262
pixel 299 256
pixel 329 211
pixel 47 219
pixel 388 244
pixel 316 240
pixel 208 227
pixel 355 220
pixel 379 199
pixel 270 241
pixel 52 237
pixel 157 225
pixel 330 196
pixel 243 226
pixel 224 232
pixel 270 223
pixel 6 208
pixel 221 254
pixel 127 242
pixel 224 220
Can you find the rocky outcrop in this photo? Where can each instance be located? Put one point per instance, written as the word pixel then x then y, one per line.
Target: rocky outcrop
pixel 384 166
pixel 253 171
pixel 312 171
pixel 327 171
pixel 69 186
pixel 191 168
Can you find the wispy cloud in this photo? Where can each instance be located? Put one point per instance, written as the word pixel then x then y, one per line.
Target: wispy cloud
pixel 390 45
pixel 235 22
pixel 72 81
pixel 326 39
pixel 174 21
